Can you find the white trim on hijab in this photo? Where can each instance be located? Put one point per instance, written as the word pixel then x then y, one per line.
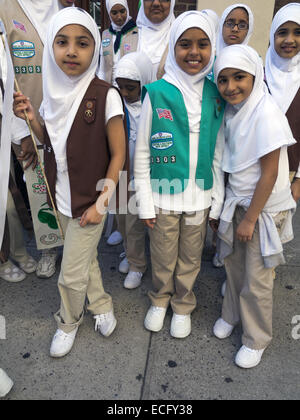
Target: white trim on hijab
pixel 191 87
pixel 40 14
pixel 283 74
pixel 258 127
pixel 220 41
pixel 154 37
pixel 62 94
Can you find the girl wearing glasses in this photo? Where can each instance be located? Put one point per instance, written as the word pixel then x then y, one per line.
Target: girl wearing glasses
pixel 236 26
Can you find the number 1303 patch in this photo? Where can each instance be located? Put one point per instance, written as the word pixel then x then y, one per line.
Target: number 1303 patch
pixel 163 159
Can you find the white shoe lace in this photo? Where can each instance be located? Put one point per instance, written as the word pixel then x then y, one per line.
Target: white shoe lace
pixel 100 319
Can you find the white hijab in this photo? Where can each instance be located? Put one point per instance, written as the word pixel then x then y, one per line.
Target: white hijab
pixel 191 87
pixel 258 126
pixel 154 37
pixel 40 13
pixel 62 94
pixel 283 74
pixel 110 4
pixel 220 41
pixel 213 15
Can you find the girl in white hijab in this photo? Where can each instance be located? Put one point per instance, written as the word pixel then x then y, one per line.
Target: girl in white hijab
pixel 70 62
pixel 118 40
pixel 228 26
pixel 132 73
pixel 283 77
pixel 176 112
pixel 154 37
pixel 256 218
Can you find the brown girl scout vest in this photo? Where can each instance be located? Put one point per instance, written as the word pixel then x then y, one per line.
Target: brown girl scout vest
pixel 293 116
pixel 88 153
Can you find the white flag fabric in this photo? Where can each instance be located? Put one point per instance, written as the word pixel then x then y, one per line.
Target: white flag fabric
pixel 6 127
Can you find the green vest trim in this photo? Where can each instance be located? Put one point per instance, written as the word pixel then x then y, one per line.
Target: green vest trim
pixel 169 141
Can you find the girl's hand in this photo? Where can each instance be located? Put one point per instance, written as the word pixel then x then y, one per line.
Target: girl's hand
pixel 245 230
pixel 22 104
pixel 296 189
pixel 91 217
pixel 150 223
pixel 214 224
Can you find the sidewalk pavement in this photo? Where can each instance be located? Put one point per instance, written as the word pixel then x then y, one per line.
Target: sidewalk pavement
pixel 134 364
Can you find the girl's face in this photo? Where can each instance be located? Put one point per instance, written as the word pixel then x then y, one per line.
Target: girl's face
pixel 234 85
pixel 73 49
pixel 67 3
pixel 157 10
pixel 130 89
pixel 118 14
pixel 193 51
pixel 287 40
pixel 236 26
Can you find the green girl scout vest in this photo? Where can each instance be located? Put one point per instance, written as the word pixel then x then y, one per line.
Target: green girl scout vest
pixel 169 141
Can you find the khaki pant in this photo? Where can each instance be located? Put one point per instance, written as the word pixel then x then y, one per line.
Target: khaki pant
pixel 249 288
pixel 133 232
pixel 80 275
pixel 176 244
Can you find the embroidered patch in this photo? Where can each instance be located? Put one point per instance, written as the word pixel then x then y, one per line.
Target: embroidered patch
pixel 19 25
pixel 23 49
pixel 164 113
pixel 106 42
pixel 162 141
pixel 127 47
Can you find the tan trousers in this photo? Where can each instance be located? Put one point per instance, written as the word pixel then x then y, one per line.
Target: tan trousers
pixel 176 245
pixel 249 288
pixel 133 231
pixel 80 274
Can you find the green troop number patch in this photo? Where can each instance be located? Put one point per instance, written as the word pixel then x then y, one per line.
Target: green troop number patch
pixel 28 69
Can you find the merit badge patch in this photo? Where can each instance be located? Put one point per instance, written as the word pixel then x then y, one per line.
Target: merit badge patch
pixel 162 141
pixel 19 25
pixel 164 113
pixel 106 42
pixel 127 48
pixel 23 49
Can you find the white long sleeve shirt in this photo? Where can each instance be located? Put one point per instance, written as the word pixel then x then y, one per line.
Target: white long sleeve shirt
pixel 192 198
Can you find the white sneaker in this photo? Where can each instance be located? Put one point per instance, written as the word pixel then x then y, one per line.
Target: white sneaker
pixel 105 323
pixel 47 265
pixel 222 329
pixel 6 383
pixel 29 266
pixel 248 358
pixel 154 320
pixel 115 238
pixel 133 280
pixel 62 343
pixel 124 266
pixel 181 326
pixel 223 289
pixel 11 273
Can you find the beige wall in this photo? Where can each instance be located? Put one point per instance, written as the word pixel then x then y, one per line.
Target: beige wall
pixel 263 14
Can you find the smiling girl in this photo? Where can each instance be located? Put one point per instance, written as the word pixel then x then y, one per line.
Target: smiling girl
pixel 257 213
pixel 283 77
pixel 176 166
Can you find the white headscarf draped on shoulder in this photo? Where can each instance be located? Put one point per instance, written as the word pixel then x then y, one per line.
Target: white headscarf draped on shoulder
pixel 258 126
pixel 283 74
pixel 220 41
pixel 40 13
pixel 191 87
pixel 110 4
pixel 154 37
pixel 62 94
